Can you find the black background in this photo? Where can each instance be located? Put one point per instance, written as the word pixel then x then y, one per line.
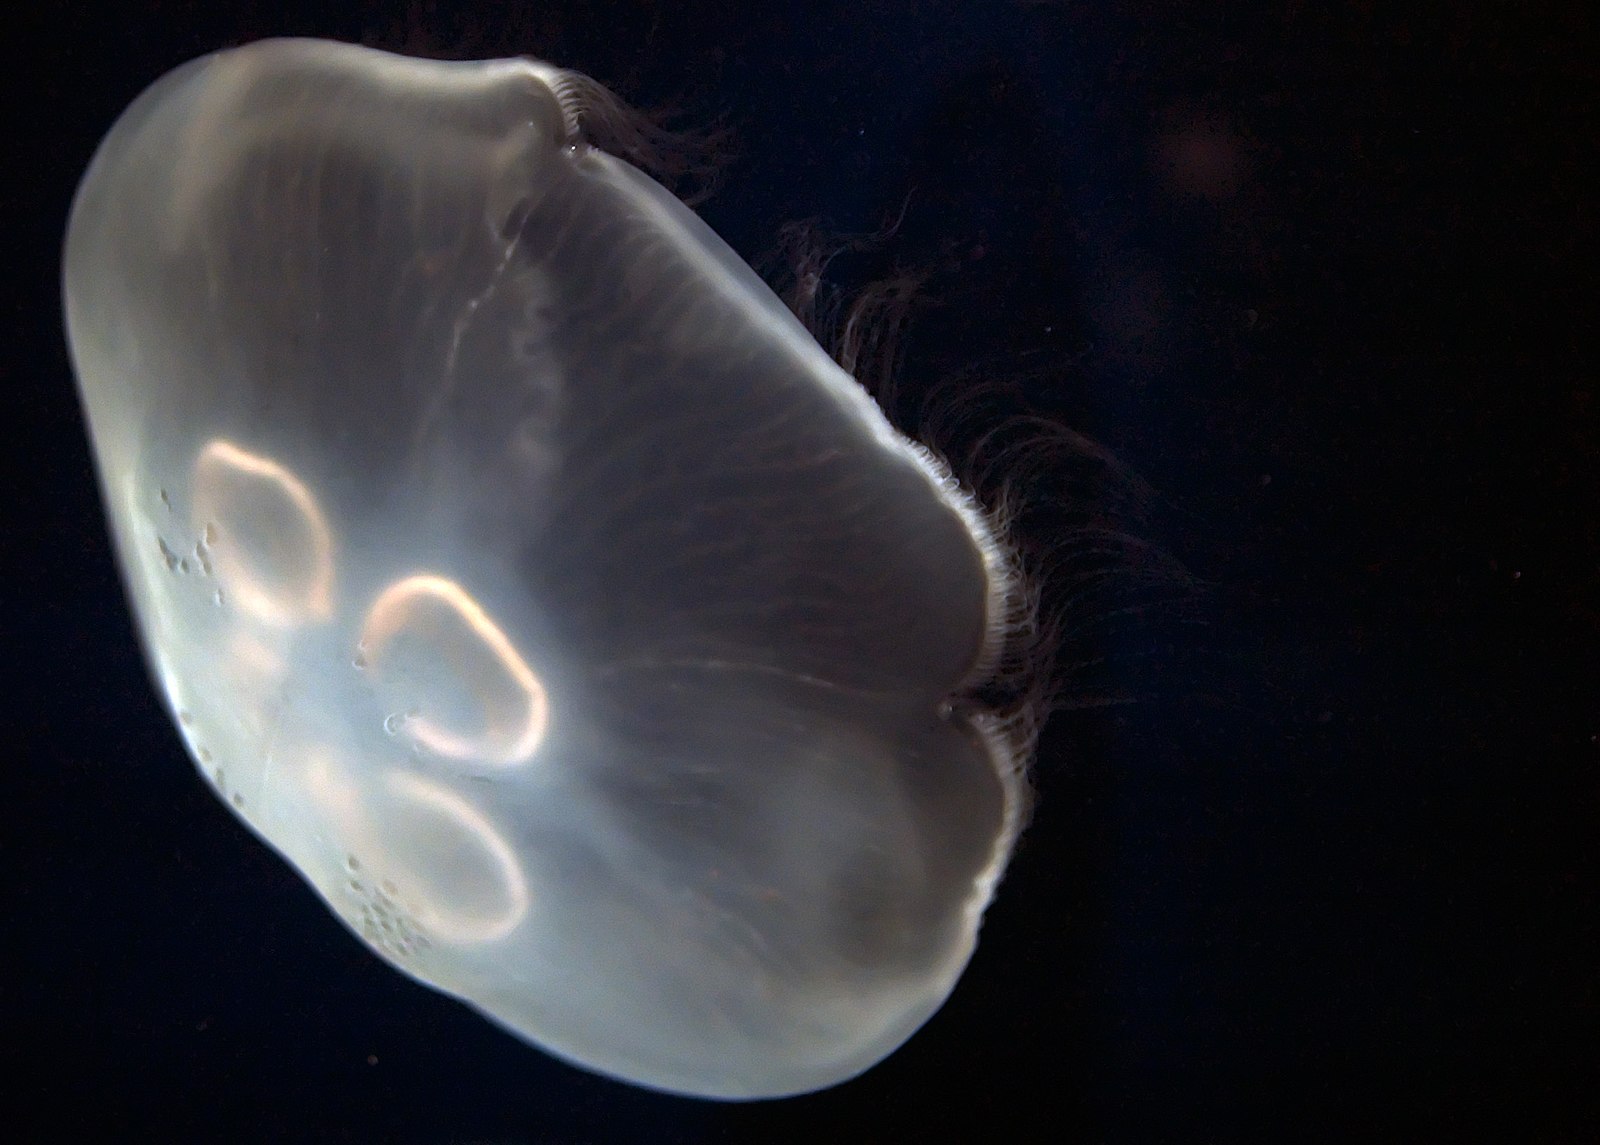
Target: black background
pixel 1319 273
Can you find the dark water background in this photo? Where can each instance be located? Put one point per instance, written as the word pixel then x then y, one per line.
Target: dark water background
pixel 1322 274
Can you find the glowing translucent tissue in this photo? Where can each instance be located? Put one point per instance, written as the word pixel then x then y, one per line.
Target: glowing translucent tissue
pixel 518 567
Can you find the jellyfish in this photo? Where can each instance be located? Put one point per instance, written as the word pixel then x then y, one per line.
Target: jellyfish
pixel 519 568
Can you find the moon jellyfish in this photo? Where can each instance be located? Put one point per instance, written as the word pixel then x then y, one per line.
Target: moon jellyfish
pixel 520 569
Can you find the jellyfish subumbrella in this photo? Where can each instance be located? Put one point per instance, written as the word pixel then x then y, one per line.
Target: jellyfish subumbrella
pixel 516 565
